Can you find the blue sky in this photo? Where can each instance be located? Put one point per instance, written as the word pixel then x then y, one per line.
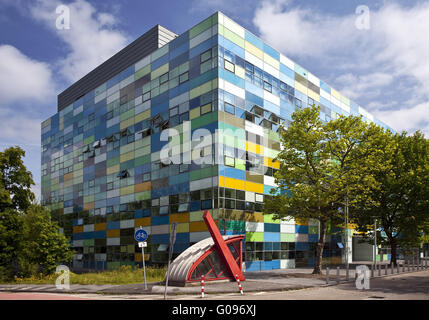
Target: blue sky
pixel 384 68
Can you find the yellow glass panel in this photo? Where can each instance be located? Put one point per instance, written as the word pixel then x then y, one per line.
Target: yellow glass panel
pixel 254 50
pixel 271 61
pixel 254 187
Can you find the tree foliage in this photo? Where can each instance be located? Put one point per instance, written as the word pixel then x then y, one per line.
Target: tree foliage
pixel 323 164
pixel 29 240
pixel 401 201
pixel 15 180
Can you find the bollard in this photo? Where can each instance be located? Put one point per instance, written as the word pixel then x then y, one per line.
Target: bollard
pixel 403 266
pixel 397 267
pixel 347 272
pixel 379 269
pixel 239 284
pixel 385 269
pixel 413 263
pixel 391 268
pixel 338 274
pixel 202 286
pixel 426 262
pixel 372 270
pixel 408 265
pixel 327 275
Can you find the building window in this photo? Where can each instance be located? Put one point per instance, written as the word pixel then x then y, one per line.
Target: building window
pixel 123 174
pixel 146 96
pixel 229 108
pixel 267 86
pixel 163 78
pixel 298 103
pixel 184 77
pixel 229 161
pixel 229 66
pixel 206 56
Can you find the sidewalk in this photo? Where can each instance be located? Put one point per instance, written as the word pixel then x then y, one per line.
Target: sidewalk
pixel 256 281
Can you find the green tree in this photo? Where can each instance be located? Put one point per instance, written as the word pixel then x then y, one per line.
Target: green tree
pixel 15 180
pixel 322 164
pixel 42 247
pixel 400 202
pixel 10 239
pixel 29 240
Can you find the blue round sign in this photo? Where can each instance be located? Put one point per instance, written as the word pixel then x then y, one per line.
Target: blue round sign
pixel 140 235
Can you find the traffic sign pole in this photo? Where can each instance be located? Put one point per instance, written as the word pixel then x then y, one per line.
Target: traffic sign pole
pixel 170 253
pixel 144 269
pixel 140 236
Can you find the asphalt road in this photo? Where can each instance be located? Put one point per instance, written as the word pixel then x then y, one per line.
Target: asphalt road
pixel 408 286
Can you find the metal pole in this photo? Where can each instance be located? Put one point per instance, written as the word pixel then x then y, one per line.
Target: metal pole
pixel 346 239
pixel 144 269
pixel 347 272
pixel 375 242
pixel 379 270
pixel 170 254
pixel 168 273
pixel 338 274
pixel 327 275
pixel 372 270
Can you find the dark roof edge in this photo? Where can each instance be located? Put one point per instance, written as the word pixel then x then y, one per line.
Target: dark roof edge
pixel 132 53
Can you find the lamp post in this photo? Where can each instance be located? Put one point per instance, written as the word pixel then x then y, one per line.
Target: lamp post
pixel 347 233
pixel 375 241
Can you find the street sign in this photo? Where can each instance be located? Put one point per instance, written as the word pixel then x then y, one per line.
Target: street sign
pixel 140 235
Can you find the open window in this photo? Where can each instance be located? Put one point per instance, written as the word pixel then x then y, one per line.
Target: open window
pixel 146 132
pixel 97 144
pixel 125 133
pixel 123 174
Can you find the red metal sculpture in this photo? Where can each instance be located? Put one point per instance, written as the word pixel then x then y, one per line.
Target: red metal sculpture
pixel 215 258
pixel 222 248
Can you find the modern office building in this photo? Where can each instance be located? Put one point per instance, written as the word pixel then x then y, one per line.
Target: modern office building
pixel 103 173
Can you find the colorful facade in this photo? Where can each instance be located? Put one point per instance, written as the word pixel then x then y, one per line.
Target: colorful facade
pixel 102 174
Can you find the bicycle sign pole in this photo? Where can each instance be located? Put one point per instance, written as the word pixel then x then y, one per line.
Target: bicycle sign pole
pixel 140 235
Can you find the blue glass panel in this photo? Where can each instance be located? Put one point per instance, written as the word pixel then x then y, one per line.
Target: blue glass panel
pixel 273 53
pixel 254 40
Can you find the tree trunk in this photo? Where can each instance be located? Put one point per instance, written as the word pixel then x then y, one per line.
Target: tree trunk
pixel 320 244
pixel 393 247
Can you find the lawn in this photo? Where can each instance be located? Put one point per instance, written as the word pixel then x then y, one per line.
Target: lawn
pixel 123 275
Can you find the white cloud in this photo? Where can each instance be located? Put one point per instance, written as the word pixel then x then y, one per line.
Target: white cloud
pixel 365 84
pixel 408 119
pixel 19 128
pixel 387 65
pixel 91 39
pixel 22 78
